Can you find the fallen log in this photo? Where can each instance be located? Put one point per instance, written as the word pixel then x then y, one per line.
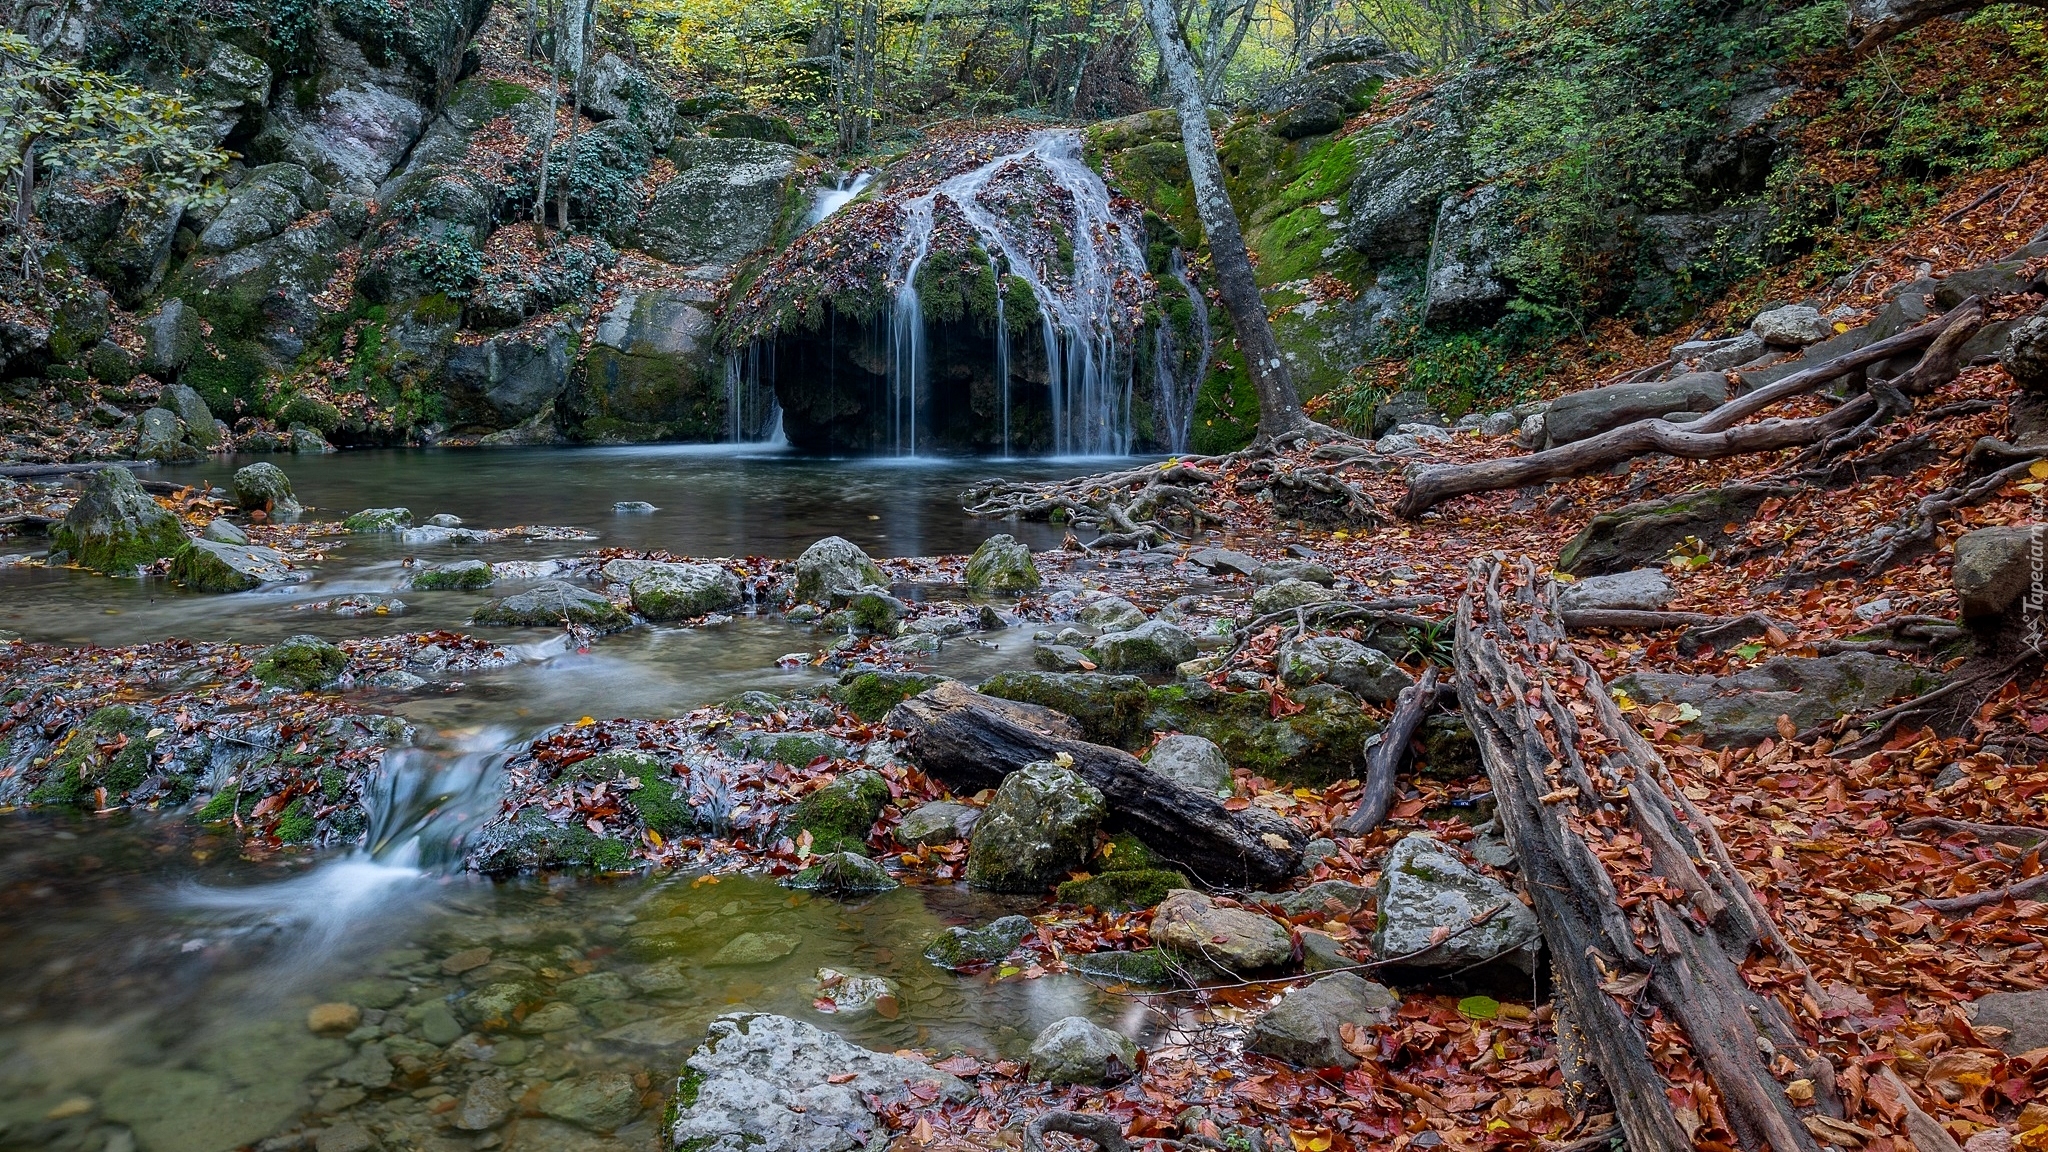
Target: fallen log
pixel 1676 954
pixel 1384 762
pixel 31 471
pixel 968 742
pixel 2017 835
pixel 1717 434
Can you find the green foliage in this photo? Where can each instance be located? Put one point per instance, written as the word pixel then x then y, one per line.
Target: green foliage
pixel 313 412
pixel 1227 406
pixel 450 263
pixel 155 146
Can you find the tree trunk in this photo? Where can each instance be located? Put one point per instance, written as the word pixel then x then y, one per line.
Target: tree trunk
pixel 547 137
pixel 586 12
pixel 1280 414
pixel 969 742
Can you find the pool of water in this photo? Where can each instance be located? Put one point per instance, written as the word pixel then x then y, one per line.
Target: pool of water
pixel 159 981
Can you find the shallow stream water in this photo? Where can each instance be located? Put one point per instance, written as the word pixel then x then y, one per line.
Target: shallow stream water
pixel 157 984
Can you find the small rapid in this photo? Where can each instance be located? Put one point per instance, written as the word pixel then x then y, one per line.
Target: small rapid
pixel 826 201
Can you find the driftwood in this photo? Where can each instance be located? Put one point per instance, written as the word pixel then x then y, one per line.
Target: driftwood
pixel 1682 955
pixel 1385 759
pixel 1721 432
pixel 969 742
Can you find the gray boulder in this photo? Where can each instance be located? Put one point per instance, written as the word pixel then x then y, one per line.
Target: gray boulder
pixel 1154 646
pixel 2026 353
pixel 1076 1050
pixel 263 486
pixel 160 436
pixel 552 605
pixel 835 565
pixel 1040 826
pixel 512 376
pixel 1742 708
pixel 1643 533
pixel 1191 762
pixel 1110 613
pixel 938 822
pixel 652 371
pixel 194 415
pixel 378 520
pixel 1998 567
pixel 762 1083
pixel 1365 672
pixel 1208 937
pixel 1424 886
pixel 171 336
pixel 462 575
pixel 958 948
pixel 2024 1016
pixel 1285 595
pixel 681 591
pixel 1643 589
pixel 1793 326
pixel 210 566
pixel 1002 564
pixel 1305 1028
pixel 1719 355
pixel 222 529
pixel 1577 415
pixel 267 201
pixel 724 203
pixel 114 527
pixel 619 91
pixel 1464 283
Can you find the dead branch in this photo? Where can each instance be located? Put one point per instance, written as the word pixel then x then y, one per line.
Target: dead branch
pixel 1385 759
pixel 1103 1131
pixel 1687 962
pixel 2032 888
pixel 1717 434
pixel 2016 835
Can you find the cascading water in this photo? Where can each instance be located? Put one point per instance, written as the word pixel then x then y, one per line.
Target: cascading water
pixel 1178 381
pixel 826 201
pixel 1089 382
pixel 751 413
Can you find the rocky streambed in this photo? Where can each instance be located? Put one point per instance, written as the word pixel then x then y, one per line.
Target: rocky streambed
pixel 451 834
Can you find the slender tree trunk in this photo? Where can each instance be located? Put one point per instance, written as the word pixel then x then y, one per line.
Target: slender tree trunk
pixel 547 138
pixel 586 17
pixel 1280 414
pixel 1220 55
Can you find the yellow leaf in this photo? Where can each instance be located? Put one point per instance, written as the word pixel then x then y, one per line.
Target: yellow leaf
pixel 585 722
pixel 2038 470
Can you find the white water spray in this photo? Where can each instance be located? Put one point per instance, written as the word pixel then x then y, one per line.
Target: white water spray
pixel 1175 404
pixel 826 201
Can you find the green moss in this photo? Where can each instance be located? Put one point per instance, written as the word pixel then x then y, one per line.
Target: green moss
pixel 80 768
pixel 870 695
pixel 839 815
pixel 1125 853
pixel 1111 709
pixel 463 575
pixel 311 411
pixel 1122 891
pixel 230 374
pixel 295 824
pixel 662 809
pixel 299 663
pixel 224 805
pixel 1227 406
pixel 504 94
pixel 1322 743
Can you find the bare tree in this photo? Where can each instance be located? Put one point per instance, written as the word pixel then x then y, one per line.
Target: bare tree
pixel 1280 414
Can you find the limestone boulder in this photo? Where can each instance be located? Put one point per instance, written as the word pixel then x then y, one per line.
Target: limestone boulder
pixel 1305 1028
pixel 1040 826
pixel 1198 932
pixel 724 203
pixel 1426 886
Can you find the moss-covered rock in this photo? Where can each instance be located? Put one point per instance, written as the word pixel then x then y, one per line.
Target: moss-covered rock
pixel 833 565
pixel 1641 534
pixel 1111 709
pixel 1122 891
pixel 796 749
pixel 1156 647
pixel 1039 827
pixel 842 874
pixel 1149 967
pixel 554 604
pixel 214 566
pixel 1002 564
pixel 648 786
pixel 682 591
pixel 531 841
pixel 1124 852
pixel 870 694
pixel 961 948
pixel 263 486
pixel 379 520
pixel 464 575
pixel 114 527
pixel 299 663
pixel 839 815
pixel 652 373
pixel 109 749
pixel 1323 742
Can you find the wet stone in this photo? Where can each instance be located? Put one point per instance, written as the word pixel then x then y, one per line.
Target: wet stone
pixel 958 948
pixel 459 962
pixel 600 1101
pixel 750 948
pixel 326 1018
pixel 484 1105
pixel 551 1017
pixel 438 1025
pixel 1078 1051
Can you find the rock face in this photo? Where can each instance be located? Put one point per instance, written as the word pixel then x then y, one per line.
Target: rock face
pixel 1001 564
pixel 1996 568
pixel 211 566
pixel 651 371
pixel 1155 646
pixel 1577 415
pixel 114 526
pixel 1425 886
pixel 834 565
pixel 552 605
pixel 1040 826
pixel 681 591
pixel 514 376
pixel 1645 589
pixel 1305 1027
pixel 724 203
pixel 1364 672
pixel 1191 762
pixel 1195 930
pixel 762 1082
pixel 1742 708
pixel 1078 1051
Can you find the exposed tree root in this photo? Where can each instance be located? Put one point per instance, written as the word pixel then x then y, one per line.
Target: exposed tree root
pixel 1384 761
pixel 1103 1131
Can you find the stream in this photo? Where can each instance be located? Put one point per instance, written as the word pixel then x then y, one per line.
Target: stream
pixel 159 983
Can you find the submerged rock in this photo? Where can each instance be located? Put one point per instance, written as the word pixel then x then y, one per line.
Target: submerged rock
pixel 1305 1028
pixel 300 663
pixel 835 565
pixel 210 566
pixel 751 948
pixel 554 604
pixel 599 1101
pixel 379 520
pixel 466 575
pixel 1424 886
pixel 854 995
pixel 1076 1050
pixel 1040 826
pixel 1002 564
pixel 842 874
pixel 114 527
pixel 958 948
pixel 762 1082
pixel 680 591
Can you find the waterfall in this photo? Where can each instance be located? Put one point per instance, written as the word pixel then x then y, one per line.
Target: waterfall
pixel 751 412
pixel 1002 348
pixel 1176 399
pixel 826 201
pixel 1090 383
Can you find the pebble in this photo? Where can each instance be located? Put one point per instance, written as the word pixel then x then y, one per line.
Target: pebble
pixel 460 962
pixel 69 1108
pixel 333 1018
pixel 345 1138
pixel 633 506
pixel 438 1025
